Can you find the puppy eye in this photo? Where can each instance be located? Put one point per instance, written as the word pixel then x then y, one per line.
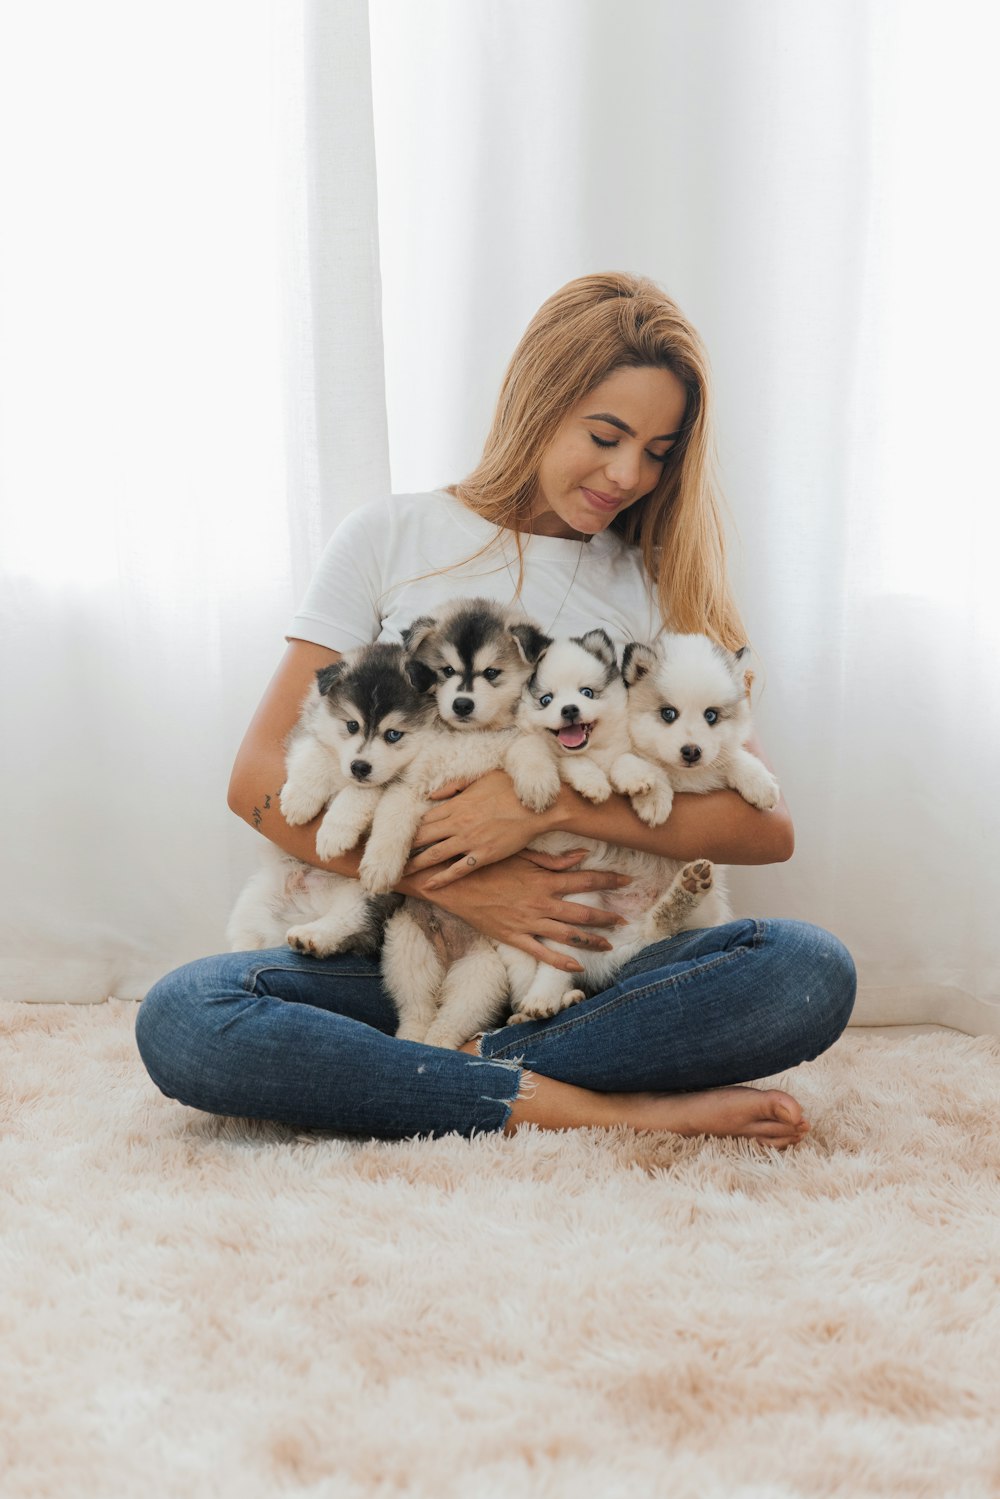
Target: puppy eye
pixel 447 671
pixel 545 699
pixel 711 715
pixel 352 726
pixel 668 714
pixel 392 736
pixel 586 692
pixel 491 673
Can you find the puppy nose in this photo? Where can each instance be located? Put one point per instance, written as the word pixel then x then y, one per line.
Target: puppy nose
pixel 691 753
pixel 463 706
pixel 360 770
pixel 571 712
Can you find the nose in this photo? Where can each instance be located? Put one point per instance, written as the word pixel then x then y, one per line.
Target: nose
pixel 360 770
pixel 463 706
pixel 690 753
pixel 571 712
pixel 623 465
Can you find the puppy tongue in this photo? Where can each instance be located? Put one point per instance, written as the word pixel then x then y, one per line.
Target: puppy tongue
pixel 572 736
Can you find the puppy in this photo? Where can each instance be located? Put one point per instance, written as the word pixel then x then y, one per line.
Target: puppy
pixel 359 729
pixel 446 979
pixel 573 718
pixel 688 716
pixel 689 712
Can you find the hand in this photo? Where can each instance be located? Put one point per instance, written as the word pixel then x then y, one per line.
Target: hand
pixel 521 899
pixel 475 823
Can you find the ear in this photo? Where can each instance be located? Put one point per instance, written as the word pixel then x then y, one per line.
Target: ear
pixel 744 650
pixel 327 676
pixel 420 674
pixel 599 644
pixel 637 660
pixel 416 633
pixel 530 642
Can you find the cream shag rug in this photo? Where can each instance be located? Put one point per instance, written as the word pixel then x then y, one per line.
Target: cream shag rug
pixel 199 1307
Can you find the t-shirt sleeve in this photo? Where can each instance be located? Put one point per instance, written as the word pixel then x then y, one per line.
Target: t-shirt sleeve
pixel 341 605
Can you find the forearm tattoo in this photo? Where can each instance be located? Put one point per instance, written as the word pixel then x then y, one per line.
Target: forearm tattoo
pixel 258 815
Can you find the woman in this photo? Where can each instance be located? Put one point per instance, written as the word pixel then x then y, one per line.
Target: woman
pixel 592 505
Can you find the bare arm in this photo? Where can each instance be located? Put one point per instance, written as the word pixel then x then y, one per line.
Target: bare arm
pixel 516 902
pixel 259 772
pixel 487 821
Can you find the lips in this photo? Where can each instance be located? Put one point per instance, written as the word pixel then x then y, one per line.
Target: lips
pixel 603 501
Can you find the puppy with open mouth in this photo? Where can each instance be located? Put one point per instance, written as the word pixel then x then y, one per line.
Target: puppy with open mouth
pixel 683 705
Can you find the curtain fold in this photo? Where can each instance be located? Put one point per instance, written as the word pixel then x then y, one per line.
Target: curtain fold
pixel 809 182
pixel 190 395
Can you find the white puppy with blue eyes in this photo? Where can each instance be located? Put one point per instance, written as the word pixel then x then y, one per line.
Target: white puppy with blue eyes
pixel 689 714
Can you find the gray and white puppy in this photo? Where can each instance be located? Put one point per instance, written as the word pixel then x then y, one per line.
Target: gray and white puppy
pixel 447 980
pixel 574 726
pixel 358 731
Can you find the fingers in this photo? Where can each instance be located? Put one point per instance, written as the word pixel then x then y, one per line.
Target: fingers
pixel 544 954
pixel 456 871
pixel 580 881
pixel 555 861
pixel 573 915
pixel 451 788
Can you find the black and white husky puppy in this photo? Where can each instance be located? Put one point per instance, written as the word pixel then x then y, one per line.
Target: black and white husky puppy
pixel 359 730
pixel 577 714
pixel 447 980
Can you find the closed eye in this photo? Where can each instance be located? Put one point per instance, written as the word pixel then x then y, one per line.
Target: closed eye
pixel 613 443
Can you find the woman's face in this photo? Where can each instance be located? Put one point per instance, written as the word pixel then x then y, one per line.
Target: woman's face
pixel 608 452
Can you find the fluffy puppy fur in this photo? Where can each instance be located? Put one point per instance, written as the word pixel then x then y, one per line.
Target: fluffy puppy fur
pixel 689 712
pixel 358 731
pixel 573 722
pixel 688 716
pixel 446 979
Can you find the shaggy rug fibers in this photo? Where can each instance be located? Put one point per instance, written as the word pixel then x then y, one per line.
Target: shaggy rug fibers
pixel 192 1306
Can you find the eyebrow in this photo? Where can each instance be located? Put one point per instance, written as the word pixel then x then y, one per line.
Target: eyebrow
pixel 616 421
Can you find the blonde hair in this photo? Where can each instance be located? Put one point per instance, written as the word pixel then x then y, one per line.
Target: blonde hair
pixel 581 335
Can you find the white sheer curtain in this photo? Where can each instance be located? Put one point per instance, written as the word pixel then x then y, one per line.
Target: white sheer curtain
pixel 813 184
pixel 191 391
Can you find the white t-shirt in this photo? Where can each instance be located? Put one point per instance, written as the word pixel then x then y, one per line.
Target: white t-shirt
pixel 382 569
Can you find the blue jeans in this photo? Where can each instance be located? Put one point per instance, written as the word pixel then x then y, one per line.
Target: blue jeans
pixel 310 1042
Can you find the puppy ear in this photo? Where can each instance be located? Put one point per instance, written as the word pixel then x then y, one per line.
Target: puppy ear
pixel 530 642
pixel 416 633
pixel 420 674
pixel 747 674
pixel 327 676
pixel 599 644
pixel 637 660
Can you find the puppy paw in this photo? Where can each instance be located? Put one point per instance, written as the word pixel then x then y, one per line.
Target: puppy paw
pixel 298 806
pixel 542 1009
pixel 696 878
pixel 631 776
pixel 305 940
pixel 335 838
pixel 538 794
pixel 763 792
pixel 378 873
pixel 654 806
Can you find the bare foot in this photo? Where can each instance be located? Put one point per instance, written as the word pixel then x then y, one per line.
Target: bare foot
pixel 772 1117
